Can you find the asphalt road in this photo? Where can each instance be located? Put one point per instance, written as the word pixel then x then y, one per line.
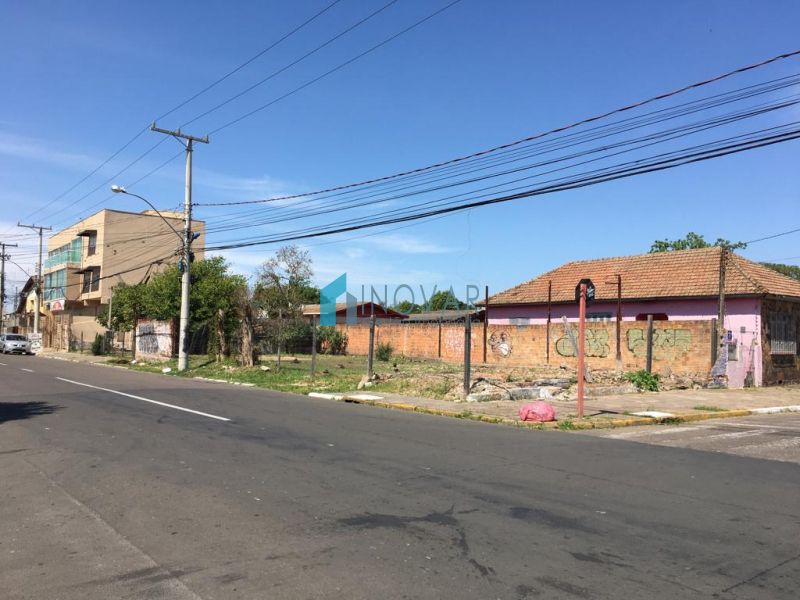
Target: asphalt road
pixel 131 496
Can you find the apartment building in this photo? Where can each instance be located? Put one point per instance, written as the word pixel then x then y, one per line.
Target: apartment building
pixel 88 259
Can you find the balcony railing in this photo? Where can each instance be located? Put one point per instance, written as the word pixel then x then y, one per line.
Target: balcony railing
pixel 72 256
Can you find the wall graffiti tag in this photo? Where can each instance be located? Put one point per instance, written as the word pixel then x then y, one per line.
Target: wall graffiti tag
pixel 154 339
pixel 667 343
pixel 596 344
pixel 500 343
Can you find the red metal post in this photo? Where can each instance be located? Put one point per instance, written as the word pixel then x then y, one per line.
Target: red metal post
pixel 581 347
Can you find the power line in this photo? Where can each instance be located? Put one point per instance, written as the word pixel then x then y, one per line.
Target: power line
pixel 770 237
pixel 274 74
pixel 533 137
pixel 640 169
pixel 249 60
pixel 181 105
pixel 337 68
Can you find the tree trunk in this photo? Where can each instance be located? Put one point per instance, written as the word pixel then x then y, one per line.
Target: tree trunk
pixel 248 351
pixel 222 342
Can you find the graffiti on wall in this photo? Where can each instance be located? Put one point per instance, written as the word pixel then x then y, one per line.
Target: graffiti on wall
pixel 500 343
pixel 154 339
pixel 667 343
pixel 453 341
pixel 596 344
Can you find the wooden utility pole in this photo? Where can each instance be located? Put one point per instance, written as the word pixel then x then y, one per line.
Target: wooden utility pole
pixel 38 297
pixel 485 323
pixel 581 346
pixel 549 314
pixel 723 264
pixel 619 322
pixel 3 258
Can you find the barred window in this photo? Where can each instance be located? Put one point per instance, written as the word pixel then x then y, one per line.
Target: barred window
pixel 782 334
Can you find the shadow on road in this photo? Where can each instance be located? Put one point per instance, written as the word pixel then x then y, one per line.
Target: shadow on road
pixel 15 411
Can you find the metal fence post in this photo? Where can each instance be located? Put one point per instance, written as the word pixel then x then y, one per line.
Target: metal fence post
pixel 649 343
pixel 371 354
pixel 313 345
pixel 467 353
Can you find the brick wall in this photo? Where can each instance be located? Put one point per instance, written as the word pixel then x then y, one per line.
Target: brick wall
pixel 684 346
pixel 781 367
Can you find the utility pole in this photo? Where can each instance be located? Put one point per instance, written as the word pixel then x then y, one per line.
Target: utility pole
pixel 38 297
pixel 3 258
pixel 723 264
pixel 183 341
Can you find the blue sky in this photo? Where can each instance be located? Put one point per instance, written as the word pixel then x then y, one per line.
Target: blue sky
pixel 80 79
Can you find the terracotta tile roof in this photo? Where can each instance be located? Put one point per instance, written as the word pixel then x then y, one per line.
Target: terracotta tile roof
pixel 679 274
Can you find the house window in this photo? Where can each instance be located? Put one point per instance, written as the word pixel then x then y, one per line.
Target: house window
pixel 782 334
pixel 92 247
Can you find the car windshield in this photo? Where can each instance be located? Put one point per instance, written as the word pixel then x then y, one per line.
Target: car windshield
pixel 16 338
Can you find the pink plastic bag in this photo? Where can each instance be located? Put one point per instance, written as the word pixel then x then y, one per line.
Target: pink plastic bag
pixel 537 411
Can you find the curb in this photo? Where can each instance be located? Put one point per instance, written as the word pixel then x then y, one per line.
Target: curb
pixel 573 425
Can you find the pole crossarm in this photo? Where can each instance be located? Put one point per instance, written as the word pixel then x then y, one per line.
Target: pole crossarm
pixel 179 134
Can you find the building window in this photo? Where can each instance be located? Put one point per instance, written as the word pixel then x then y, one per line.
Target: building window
pixel 91 280
pixel 92 247
pixel 782 334
pixel 54 285
pixel 598 317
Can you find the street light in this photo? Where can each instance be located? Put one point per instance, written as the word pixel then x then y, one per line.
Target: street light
pixel 118 189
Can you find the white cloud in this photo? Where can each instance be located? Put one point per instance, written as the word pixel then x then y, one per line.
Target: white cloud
pixel 27 148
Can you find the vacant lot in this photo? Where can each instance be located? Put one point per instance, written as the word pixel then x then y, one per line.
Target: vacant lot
pixel 398 375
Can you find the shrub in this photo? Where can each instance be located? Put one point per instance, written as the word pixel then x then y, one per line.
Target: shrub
pixel 384 351
pixel 332 341
pixel 98 345
pixel 643 380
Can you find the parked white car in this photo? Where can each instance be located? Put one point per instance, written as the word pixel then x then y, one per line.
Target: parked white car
pixel 14 343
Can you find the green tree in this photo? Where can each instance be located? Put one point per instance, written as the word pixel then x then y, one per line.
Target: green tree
pixel 693 241
pixel 445 300
pixel 407 307
pixel 283 283
pixel 126 307
pixel 792 271
pixel 213 289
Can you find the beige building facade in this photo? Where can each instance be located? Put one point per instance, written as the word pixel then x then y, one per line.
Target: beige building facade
pixel 88 259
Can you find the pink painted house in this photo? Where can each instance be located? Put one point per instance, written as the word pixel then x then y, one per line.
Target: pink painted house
pixel 762 307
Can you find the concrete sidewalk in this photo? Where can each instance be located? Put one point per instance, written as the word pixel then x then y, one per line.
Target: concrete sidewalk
pixel 605 411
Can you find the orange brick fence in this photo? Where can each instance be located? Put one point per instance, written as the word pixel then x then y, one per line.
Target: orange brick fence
pixel 681 345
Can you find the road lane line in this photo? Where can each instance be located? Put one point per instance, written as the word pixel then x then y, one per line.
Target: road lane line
pixel 189 410
pixel 4 364
pixel 26 370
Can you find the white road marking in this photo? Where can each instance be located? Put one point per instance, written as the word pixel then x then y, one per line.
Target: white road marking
pixel 650 431
pixel 736 434
pixel 4 364
pixel 748 425
pixel 189 410
pixel 26 370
